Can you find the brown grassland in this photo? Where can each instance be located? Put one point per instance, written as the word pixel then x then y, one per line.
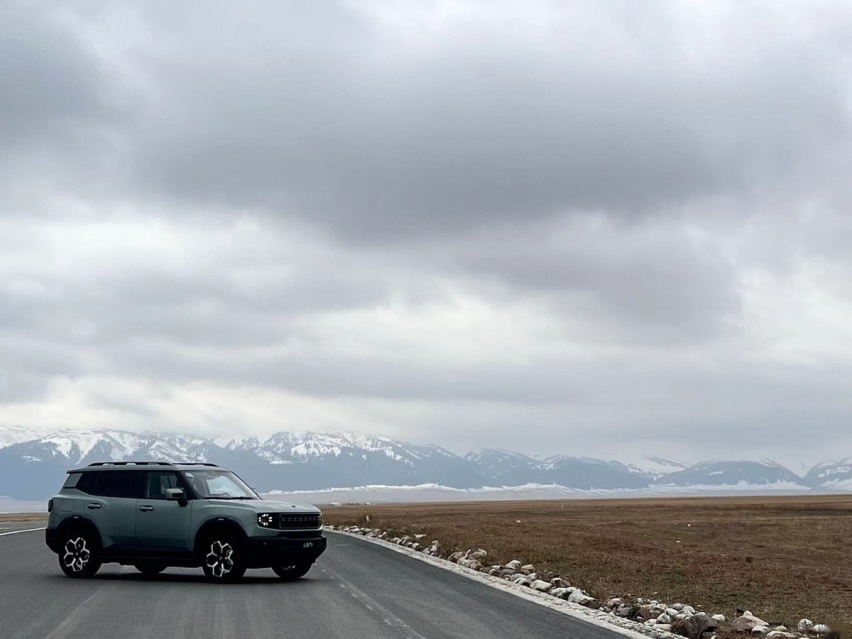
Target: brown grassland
pixel 783 558
pixel 10 517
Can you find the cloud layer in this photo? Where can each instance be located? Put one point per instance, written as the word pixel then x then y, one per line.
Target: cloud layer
pixel 591 229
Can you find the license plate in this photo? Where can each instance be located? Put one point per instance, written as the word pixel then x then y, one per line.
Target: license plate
pixel 308 544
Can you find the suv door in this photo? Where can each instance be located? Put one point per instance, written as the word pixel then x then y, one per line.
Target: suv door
pixel 111 504
pixel 163 526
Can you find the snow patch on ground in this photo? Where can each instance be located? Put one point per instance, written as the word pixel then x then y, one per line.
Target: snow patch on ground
pixel 436 492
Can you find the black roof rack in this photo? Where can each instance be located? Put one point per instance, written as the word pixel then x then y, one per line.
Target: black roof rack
pixel 152 463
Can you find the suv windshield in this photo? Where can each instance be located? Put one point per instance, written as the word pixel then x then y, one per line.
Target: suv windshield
pixel 218 484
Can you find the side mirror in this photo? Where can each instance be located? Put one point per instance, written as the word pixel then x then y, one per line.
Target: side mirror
pixel 176 494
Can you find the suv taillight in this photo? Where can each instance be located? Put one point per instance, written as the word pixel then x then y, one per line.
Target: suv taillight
pixel 50 506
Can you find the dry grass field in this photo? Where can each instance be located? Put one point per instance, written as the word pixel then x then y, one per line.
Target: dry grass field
pixel 783 558
pixel 23 517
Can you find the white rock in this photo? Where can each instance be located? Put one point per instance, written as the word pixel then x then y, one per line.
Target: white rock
pixel 821 629
pixel 541 586
pixel 579 597
pixel 614 603
pixel 519 579
pixel 665 627
pixel 673 612
pixel 719 618
pixel 527 569
pixel 664 618
pixel 805 625
pixel 688 610
pixel 514 565
pixel 678 607
pixel 478 554
pixel 473 564
pixel 419 537
pixel 759 630
pixel 746 622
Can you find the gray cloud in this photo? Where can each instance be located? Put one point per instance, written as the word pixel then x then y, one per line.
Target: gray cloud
pixel 357 132
pixel 528 222
pixel 60 106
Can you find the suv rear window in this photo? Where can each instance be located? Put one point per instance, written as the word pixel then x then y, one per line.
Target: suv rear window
pixel 113 483
pixel 71 480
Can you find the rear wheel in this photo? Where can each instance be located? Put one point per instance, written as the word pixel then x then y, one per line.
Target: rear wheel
pixel 78 555
pixel 223 560
pixel 293 572
pixel 150 568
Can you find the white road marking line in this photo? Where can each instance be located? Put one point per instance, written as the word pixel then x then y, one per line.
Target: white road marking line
pixel 593 617
pixel 74 617
pixel 15 532
pixel 388 618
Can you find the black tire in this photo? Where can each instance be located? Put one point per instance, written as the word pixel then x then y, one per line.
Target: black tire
pixel 222 558
pixel 150 568
pixel 78 554
pixel 291 573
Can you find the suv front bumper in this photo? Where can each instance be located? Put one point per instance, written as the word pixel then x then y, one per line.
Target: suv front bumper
pixel 265 552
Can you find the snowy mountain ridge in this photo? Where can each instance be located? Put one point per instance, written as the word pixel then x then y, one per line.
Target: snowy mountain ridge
pixel 32 463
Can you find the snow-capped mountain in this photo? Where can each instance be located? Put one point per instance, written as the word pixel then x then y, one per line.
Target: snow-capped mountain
pixel 734 473
pixel 832 475
pixel 33 463
pixel 495 462
pixel 656 467
pixel 10 435
pixel 290 460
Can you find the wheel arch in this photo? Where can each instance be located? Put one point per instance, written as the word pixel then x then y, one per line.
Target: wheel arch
pixel 218 525
pixel 79 523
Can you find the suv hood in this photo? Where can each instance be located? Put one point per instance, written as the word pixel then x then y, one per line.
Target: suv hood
pixel 267 506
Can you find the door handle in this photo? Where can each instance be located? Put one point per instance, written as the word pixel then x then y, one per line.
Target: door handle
pixel 146 509
pixel 93 505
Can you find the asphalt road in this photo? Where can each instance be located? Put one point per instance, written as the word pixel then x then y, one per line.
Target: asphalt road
pixel 356 590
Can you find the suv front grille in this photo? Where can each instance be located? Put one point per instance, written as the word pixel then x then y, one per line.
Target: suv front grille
pixel 289 522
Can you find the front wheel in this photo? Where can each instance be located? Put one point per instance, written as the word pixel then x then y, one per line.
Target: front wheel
pixel 78 555
pixel 291 573
pixel 223 559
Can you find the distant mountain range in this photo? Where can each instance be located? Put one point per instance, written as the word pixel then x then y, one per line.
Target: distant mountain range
pixel 33 464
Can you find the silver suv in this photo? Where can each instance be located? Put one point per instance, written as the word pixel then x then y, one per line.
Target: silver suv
pixel 153 515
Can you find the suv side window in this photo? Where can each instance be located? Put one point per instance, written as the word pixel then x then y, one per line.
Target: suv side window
pixel 86 482
pixel 160 481
pixel 119 483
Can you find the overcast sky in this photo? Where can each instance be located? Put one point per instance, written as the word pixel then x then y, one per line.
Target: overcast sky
pixel 605 228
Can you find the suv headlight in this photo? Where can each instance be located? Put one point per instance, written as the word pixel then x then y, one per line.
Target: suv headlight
pixel 265 520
